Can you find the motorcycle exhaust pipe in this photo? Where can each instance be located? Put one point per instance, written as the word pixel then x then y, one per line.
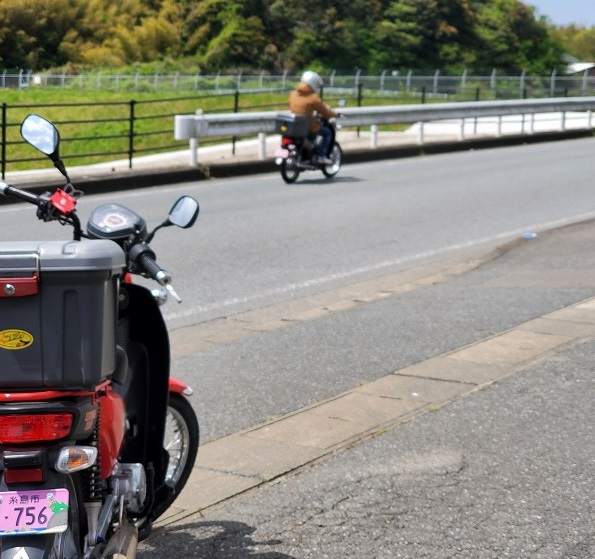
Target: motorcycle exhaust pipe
pixel 123 544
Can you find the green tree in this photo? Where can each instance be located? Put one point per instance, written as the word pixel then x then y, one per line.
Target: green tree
pixel 425 34
pixel 32 32
pixel 576 40
pixel 511 37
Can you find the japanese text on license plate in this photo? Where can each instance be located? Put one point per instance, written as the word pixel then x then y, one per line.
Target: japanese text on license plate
pixel 41 511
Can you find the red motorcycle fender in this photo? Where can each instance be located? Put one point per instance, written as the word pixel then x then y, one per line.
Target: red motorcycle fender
pixel 178 387
pixel 112 425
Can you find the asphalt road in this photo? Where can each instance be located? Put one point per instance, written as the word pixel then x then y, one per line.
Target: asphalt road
pixel 506 472
pixel 472 479
pixel 502 472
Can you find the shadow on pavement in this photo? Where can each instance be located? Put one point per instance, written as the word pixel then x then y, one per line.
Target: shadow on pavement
pixel 323 181
pixel 212 540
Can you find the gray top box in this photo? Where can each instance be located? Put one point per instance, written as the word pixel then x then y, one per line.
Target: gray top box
pixel 62 256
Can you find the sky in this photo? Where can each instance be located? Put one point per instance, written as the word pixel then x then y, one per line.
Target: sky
pixel 564 12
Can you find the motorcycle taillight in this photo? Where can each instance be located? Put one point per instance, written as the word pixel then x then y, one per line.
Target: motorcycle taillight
pixel 28 428
pixel 286 141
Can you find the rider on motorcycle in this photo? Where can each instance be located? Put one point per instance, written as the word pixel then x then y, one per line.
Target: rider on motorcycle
pixel 305 100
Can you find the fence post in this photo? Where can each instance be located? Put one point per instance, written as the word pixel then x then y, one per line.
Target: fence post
pixel 359 101
pixel 4 108
pixel 553 83
pixel 131 134
pixel 522 83
pixel 236 108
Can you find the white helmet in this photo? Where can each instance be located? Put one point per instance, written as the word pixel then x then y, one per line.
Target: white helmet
pixel 313 80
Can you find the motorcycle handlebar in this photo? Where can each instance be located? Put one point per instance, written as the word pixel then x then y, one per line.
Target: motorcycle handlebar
pixel 142 255
pixel 24 195
pixel 146 259
pixel 154 270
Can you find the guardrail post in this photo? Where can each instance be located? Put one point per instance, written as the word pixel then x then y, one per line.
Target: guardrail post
pixel 193 146
pixel 374 136
pixel 589 119
pixel 462 130
pixel 262 145
pixel 420 135
pixel 499 127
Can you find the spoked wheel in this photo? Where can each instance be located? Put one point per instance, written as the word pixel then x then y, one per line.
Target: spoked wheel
pixel 289 170
pixel 337 156
pixel 181 440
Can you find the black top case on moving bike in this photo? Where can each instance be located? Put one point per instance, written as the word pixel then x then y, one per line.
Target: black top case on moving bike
pixel 289 124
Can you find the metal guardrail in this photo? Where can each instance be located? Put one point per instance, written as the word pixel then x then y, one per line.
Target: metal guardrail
pixel 194 127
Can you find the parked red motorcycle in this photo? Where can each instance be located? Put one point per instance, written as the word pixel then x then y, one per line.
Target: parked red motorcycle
pixel 96 439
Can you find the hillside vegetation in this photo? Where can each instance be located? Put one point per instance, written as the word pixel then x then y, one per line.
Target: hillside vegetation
pixel 279 35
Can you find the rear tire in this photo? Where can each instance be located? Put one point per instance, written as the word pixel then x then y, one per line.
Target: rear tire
pixel 336 155
pixel 181 440
pixel 289 170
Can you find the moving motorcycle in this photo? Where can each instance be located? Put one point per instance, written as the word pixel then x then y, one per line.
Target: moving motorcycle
pixel 298 148
pixel 96 440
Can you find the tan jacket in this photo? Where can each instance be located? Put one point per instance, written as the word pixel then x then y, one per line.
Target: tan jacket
pixel 303 101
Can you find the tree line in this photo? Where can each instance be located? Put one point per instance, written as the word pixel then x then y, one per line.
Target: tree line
pixel 285 35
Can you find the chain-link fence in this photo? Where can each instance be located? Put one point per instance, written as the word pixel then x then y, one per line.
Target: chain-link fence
pixel 492 85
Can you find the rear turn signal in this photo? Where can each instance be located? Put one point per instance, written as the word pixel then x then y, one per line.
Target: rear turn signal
pixel 74 458
pixel 25 428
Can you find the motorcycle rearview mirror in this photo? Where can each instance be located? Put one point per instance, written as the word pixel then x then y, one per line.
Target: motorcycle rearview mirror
pixel 182 214
pixel 44 136
pixel 41 134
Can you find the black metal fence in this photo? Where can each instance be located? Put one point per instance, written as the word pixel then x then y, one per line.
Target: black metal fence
pixel 105 131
